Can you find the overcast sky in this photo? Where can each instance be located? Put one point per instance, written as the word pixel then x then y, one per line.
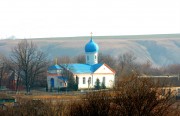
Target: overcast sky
pixel 59 18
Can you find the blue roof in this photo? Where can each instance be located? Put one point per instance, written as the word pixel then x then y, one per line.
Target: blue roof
pixel 82 68
pixel 54 67
pixel 62 78
pixel 91 46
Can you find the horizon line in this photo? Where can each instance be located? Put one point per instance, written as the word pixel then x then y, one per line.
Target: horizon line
pixel 89 36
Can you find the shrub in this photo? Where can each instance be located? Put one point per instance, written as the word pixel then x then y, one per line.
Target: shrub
pixel 103 86
pixel 135 96
pixel 97 84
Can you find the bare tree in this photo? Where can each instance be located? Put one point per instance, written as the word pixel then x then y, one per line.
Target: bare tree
pixel 173 69
pixel 64 60
pixel 108 59
pixel 148 69
pixel 2 71
pixel 30 61
pixel 80 59
pixel 11 68
pixel 142 96
pixel 126 59
pixel 126 64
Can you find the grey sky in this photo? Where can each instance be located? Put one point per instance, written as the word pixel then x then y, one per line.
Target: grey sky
pixel 52 18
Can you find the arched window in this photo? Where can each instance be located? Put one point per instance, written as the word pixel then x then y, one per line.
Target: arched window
pixel 84 80
pixel 104 80
pixel 52 82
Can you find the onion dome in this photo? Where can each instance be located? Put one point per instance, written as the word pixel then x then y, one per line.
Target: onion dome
pixel 91 46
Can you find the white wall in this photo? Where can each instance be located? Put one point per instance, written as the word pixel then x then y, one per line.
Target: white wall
pixel 48 82
pixel 103 70
pixel 93 58
pixel 57 82
pixel 109 80
pixel 80 84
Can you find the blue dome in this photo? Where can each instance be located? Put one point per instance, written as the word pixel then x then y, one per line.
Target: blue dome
pixel 91 46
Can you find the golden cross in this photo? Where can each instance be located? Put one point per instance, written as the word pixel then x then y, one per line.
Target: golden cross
pixel 91 34
pixel 56 61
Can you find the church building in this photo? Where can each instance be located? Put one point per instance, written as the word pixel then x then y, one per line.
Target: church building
pixel 85 75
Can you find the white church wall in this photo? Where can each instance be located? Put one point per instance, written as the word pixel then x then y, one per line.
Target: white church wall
pixel 104 69
pixel 81 85
pixel 92 58
pixel 49 82
pixel 109 80
pixel 57 82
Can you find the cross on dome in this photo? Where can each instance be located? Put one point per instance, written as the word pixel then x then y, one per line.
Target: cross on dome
pixel 91 34
pixel 91 46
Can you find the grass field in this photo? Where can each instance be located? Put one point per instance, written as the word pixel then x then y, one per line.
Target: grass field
pixel 44 96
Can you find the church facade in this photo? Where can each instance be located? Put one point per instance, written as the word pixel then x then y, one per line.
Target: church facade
pixel 85 75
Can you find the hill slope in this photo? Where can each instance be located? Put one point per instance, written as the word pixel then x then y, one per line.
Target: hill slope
pixel 162 49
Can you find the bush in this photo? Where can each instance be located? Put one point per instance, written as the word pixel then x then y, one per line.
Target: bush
pixel 97 84
pixel 135 96
pixel 92 104
pixel 103 86
pixel 35 108
pixel 72 85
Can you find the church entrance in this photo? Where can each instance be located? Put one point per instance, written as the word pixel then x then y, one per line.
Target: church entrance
pixel 52 82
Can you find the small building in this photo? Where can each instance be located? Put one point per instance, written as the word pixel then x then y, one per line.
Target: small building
pixel 169 83
pixel 14 82
pixel 85 75
pixel 55 78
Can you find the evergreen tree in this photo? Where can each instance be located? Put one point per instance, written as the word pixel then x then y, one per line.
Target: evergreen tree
pixel 103 86
pixel 97 84
pixel 72 85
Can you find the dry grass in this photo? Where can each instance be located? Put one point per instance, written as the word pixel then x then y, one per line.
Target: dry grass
pixel 41 95
pixel 46 96
pixel 95 103
pixel 5 96
pixel 134 97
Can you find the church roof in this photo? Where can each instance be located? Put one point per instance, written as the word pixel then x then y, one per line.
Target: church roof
pixel 62 78
pixel 82 68
pixel 54 67
pixel 91 46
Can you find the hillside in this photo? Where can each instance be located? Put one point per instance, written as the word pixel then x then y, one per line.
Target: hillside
pixel 161 49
